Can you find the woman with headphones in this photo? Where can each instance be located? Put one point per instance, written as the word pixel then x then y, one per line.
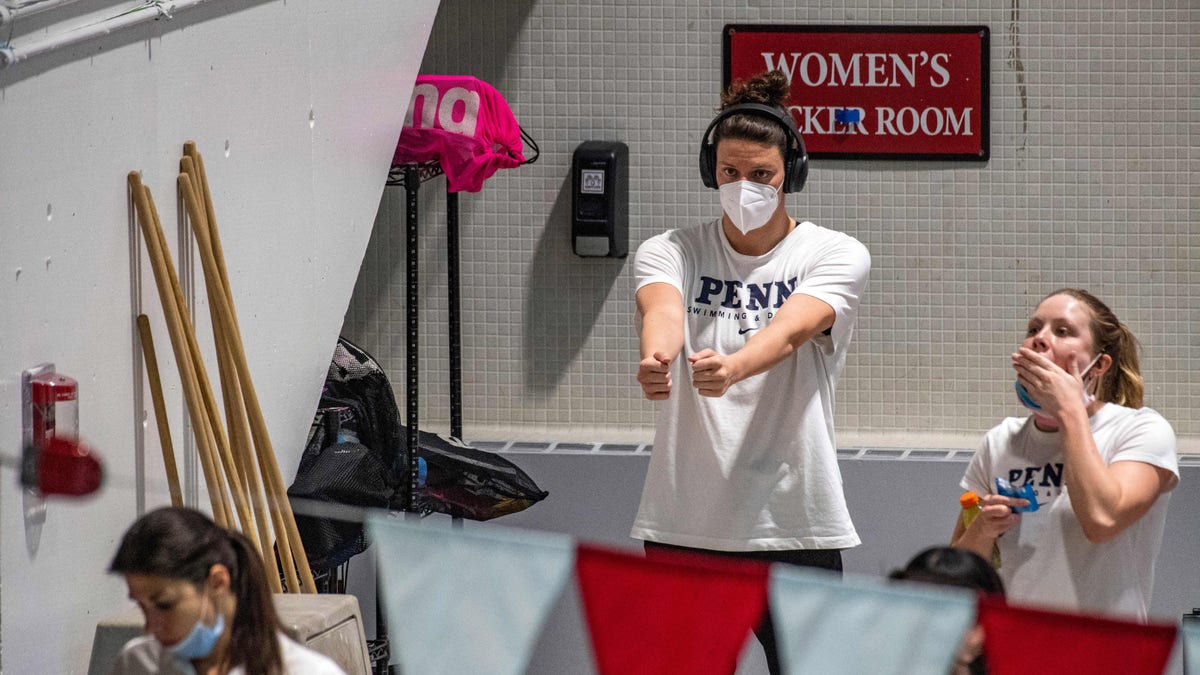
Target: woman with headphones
pixel 744 324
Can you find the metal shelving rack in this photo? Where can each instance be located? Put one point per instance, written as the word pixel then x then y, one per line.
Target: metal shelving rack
pixel 410 176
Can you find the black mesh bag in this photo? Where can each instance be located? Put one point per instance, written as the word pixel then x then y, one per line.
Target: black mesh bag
pixel 356 456
pixel 340 475
pixel 470 483
pixel 357 384
pixel 349 459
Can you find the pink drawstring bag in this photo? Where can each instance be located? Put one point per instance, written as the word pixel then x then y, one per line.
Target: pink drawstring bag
pixel 464 124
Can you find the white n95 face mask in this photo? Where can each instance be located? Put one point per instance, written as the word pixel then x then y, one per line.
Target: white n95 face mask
pixel 748 204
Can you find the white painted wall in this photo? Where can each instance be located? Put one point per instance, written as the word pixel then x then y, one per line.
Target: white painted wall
pixel 296 106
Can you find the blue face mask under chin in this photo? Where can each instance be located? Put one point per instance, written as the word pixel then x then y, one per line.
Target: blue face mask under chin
pixel 1023 397
pixel 1027 400
pixel 200 640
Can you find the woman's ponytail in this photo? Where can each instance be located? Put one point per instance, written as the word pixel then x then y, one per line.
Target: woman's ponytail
pixel 1122 383
pixel 253 639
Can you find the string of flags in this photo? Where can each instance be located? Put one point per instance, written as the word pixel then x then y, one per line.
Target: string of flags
pixel 474 600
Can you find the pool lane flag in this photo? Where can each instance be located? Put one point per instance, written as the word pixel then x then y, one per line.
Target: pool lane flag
pixel 867 626
pixel 466 600
pixel 668 614
pixel 1190 635
pixel 1034 641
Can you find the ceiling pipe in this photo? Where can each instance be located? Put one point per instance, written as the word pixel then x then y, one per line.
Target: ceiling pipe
pixel 151 11
pixel 11 11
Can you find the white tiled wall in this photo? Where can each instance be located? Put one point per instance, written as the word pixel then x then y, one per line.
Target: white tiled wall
pixel 1094 181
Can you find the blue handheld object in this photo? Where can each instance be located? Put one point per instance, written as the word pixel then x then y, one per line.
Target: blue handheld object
pixel 1006 489
pixel 1026 400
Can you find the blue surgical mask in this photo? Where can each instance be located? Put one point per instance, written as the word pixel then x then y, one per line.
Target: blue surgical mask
pixel 1027 400
pixel 200 640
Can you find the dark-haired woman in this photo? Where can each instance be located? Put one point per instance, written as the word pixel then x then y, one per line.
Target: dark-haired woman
pixel 946 566
pixel 744 325
pixel 1101 465
pixel 203 590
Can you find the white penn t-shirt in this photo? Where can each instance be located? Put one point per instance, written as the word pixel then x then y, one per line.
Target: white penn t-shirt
pixel 755 469
pixel 1046 559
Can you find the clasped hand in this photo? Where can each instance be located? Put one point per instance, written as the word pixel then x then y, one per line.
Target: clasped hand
pixel 654 374
pixel 712 374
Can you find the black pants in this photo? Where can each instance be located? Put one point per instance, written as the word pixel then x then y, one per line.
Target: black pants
pixel 826 559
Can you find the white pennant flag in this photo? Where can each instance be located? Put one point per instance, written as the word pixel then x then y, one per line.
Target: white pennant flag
pixel 467 600
pixel 866 625
pixel 1189 632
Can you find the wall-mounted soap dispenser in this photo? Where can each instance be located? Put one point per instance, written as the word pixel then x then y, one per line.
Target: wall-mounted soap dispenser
pixel 600 199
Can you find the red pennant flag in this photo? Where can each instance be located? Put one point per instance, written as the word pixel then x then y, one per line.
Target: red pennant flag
pixel 1027 641
pixel 675 613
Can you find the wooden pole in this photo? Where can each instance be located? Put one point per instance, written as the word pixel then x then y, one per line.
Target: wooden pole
pixel 277 493
pixel 211 422
pixel 210 405
pixel 148 222
pixel 160 410
pixel 233 330
pixel 235 415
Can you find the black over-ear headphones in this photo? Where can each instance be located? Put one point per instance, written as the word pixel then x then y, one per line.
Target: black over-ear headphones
pixel 795 159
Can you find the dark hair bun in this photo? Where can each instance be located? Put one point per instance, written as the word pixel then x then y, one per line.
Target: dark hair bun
pixel 769 88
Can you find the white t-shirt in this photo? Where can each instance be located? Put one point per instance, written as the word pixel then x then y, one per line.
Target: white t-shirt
pixel 1046 559
pixel 755 469
pixel 144 655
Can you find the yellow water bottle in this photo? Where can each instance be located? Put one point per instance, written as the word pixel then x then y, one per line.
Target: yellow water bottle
pixel 970 511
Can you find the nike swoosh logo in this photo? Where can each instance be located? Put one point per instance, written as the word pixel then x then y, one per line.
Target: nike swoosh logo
pixel 743 331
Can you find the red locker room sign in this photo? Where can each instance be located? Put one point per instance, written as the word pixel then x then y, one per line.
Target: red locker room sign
pixel 875 92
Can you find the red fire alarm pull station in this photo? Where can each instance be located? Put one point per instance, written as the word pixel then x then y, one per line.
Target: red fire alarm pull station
pixel 54 460
pixel 55 409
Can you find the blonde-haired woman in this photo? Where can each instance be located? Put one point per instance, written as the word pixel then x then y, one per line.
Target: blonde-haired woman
pixel 1101 466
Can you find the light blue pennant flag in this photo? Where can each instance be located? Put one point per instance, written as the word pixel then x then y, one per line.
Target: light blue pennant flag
pixel 1189 633
pixel 466 600
pixel 866 625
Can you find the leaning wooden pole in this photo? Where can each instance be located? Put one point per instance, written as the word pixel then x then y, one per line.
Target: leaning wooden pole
pixel 193 165
pixel 200 180
pixel 148 222
pixel 210 405
pixel 276 491
pixel 229 463
pixel 210 422
pixel 160 409
pixel 235 415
